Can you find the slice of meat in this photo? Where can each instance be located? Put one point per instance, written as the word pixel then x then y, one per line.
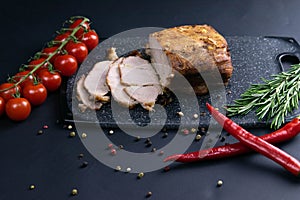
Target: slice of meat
pixel 95 81
pixel 145 95
pixel 136 71
pixel 191 50
pixel 116 87
pixel 84 97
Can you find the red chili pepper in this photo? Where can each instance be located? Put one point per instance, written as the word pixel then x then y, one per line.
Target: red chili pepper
pixel 257 144
pixel 287 132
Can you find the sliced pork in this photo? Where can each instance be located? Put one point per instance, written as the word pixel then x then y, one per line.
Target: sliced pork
pixel 116 87
pixel 84 97
pixel 95 81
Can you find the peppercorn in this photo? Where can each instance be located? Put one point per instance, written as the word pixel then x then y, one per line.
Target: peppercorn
pixel 84 164
pixel 32 187
pixel 222 139
pixel 149 194
pixel 167 168
pixel 137 138
pixel 45 127
pixel 111 132
pixel 80 155
pixel 118 168
pixel 121 146
pixel 195 116
pixel 83 135
pixel 198 137
pixel 149 144
pixel 147 140
pixel 219 183
pixel 186 131
pixel 140 175
pixel 40 132
pixel 70 127
pixel 180 114
pixel 193 130
pixel 153 149
pixel 165 135
pixel 128 169
pixel 113 151
pixel 161 152
pixel 72 134
pixel 74 192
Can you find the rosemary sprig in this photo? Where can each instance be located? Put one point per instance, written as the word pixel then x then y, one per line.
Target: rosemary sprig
pixel 273 99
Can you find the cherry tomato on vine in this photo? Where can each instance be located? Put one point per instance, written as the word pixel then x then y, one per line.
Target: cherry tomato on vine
pixel 90 39
pixel 32 64
pixel 61 37
pixel 36 94
pixel 48 51
pixel 66 64
pixel 80 32
pixel 18 109
pixel 2 106
pixel 17 77
pixel 51 80
pixel 7 94
pixel 78 50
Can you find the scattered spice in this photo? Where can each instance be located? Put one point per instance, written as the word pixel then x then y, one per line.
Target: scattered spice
pixel 180 114
pixel 222 139
pixel 195 116
pixel 229 92
pixel 128 169
pixel 113 151
pixel 70 127
pixel 32 187
pixel 153 149
pixel 167 168
pixel 165 135
pixel 80 155
pixel 149 194
pixel 185 131
pixel 203 114
pixel 110 145
pixel 84 164
pixel 137 138
pixel 219 183
pixel 111 132
pixel 147 140
pixel 74 192
pixel 140 175
pixel 45 127
pixel 83 135
pixel 193 130
pixel 40 132
pixel 202 129
pixel 118 168
pixel 161 153
pixel 72 134
pixel 121 146
pixel 149 144
pixel 198 137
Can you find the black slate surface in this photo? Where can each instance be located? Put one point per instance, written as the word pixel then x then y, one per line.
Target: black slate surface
pixel 253 58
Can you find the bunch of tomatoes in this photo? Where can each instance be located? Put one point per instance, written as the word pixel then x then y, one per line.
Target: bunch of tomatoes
pixel 43 74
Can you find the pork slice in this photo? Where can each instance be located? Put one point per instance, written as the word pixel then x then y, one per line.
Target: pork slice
pixel 145 95
pixel 95 81
pixel 113 80
pixel 137 71
pixel 84 97
pixel 160 61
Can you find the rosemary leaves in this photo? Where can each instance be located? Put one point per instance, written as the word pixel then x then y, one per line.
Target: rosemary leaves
pixel 273 99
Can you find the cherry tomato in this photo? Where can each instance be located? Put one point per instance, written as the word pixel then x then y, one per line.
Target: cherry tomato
pixel 66 65
pixel 48 51
pixel 61 37
pixel 51 80
pixel 36 94
pixel 8 94
pixel 80 32
pixel 90 39
pixel 2 106
pixel 20 75
pixel 78 50
pixel 32 64
pixel 18 109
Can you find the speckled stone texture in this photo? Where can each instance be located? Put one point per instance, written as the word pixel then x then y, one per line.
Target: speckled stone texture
pixel 253 58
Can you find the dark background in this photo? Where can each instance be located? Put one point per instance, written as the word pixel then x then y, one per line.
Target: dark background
pixel 50 162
